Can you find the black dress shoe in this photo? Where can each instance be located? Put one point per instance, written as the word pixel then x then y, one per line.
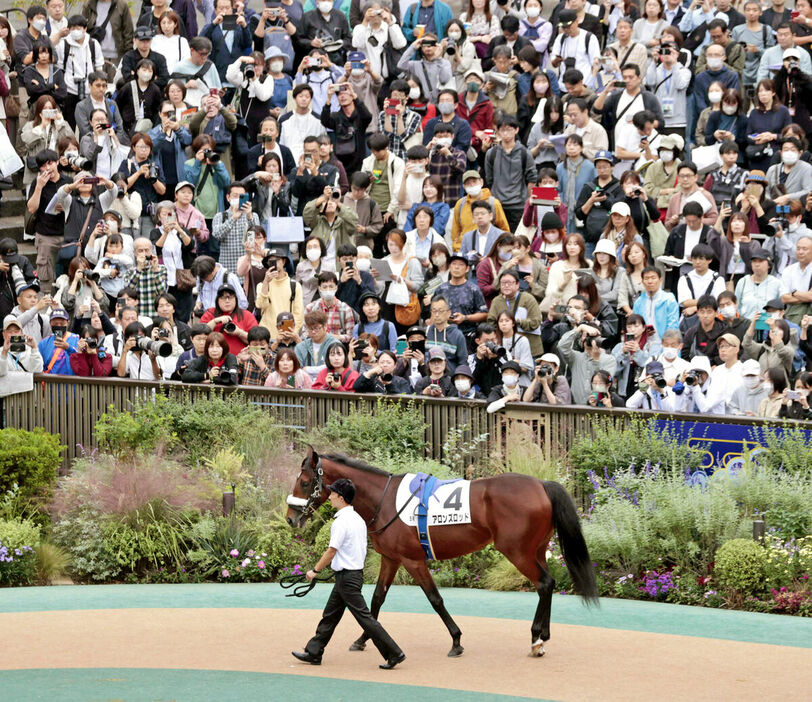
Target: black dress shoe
pixel 308 658
pixel 393 661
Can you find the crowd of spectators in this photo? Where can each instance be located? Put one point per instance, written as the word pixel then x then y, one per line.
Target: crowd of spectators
pixel 593 204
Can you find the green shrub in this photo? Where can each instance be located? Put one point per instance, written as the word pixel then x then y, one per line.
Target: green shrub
pixel 18 560
pixel 30 460
pixel 786 447
pixel 138 431
pixel 82 535
pixel 740 567
pixel 52 562
pixel 388 428
pixel 502 575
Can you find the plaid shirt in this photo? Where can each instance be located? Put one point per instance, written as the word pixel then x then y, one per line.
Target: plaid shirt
pixel 338 313
pixel 450 170
pixel 231 234
pixel 411 123
pixel 149 284
pixel 250 374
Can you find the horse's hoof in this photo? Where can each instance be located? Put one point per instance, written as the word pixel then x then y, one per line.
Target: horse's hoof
pixel 358 645
pixel 455 652
pixel 537 649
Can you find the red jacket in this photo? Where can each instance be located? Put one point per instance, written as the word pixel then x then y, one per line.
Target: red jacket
pixel 348 378
pixel 235 344
pixel 480 117
pixel 90 365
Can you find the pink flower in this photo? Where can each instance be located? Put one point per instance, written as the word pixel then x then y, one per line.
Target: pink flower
pixel 250 553
pixel 234 553
pixel 225 573
pixel 261 565
pixel 246 562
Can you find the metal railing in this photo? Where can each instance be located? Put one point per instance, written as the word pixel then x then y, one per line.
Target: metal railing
pixel 70 406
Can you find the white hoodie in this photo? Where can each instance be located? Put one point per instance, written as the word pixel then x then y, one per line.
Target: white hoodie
pixel 80 61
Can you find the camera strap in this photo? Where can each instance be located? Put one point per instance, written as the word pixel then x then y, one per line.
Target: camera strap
pixel 203 179
pixel 78 243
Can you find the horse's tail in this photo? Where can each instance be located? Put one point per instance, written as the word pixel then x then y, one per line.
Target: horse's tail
pixel 571 539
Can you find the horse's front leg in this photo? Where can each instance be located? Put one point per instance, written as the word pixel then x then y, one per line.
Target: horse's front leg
pixel 386 574
pixel 420 572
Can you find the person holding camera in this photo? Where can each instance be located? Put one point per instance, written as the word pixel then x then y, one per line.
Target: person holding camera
pixel 639 344
pixel 252 97
pixel 777 351
pixel 81 289
pixel 175 246
pixel 229 320
pixel 43 130
pixel 430 69
pixel 19 353
pixel 487 358
pixel 583 351
pixel 170 138
pixel 149 276
pixel 331 221
pixel 377 29
pixel 325 28
pixel 83 207
pixel 209 178
pixel 652 391
pixel 229 227
pixel 438 381
pixel 216 366
pixel 548 387
pixel 255 359
pixel 795 175
pixel 57 348
pixel 340 317
pixel 229 35
pixel 278 292
pixel 696 393
pixel 91 358
pixel 349 124
pixel 101 146
pixel 138 360
pixel 338 373
pixel 139 99
pixel 144 176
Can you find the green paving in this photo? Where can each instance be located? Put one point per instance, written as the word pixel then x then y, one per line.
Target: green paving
pixel 652 617
pixel 131 684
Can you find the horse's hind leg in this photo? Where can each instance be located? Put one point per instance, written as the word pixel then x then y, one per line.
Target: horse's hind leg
pixel 420 572
pixel 386 575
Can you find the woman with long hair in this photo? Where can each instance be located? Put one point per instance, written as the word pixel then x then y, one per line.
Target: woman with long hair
pixel 729 123
pixel 775 381
pixel 764 123
pixel 531 105
pixel 228 318
pixel 532 270
pixel 288 372
pixel 776 351
pixel 574 172
pixel 420 240
pixel 176 247
pixel 249 266
pixel 563 280
pixel 43 131
pixel 215 366
pixel 716 91
pixel 735 248
pixel 433 197
pixel 166 305
pixel 254 90
pixel 635 259
pixel 77 291
pixel 404 270
pixel 484 26
pixel 551 124
pixel 269 188
pixel 338 373
pixel 517 346
pixel 597 310
pixel 620 228
pixel 463 54
pixel 487 270
pixel 638 346
pixel 605 271
pixel 169 42
pixel 647 29
pixel 42 77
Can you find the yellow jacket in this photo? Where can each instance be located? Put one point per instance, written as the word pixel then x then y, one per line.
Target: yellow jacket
pixel 462 219
pixel 274 297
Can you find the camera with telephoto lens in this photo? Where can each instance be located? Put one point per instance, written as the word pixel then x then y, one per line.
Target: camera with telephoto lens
pixel 92 276
pixel 92 342
pixel 386 377
pixel 229 327
pixel 659 380
pixel 691 378
pixel 451 47
pixel 17 344
pixel 79 162
pixel 794 65
pixel 637 191
pixel 158 348
pixel 248 70
pixel 153 170
pixel 211 156
pixel 498 351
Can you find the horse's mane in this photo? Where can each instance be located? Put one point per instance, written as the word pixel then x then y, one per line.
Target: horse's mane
pixel 355 463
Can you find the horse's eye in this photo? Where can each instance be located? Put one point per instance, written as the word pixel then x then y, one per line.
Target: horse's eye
pixel 305 483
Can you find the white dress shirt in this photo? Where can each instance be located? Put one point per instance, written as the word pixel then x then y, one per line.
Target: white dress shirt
pixel 348 535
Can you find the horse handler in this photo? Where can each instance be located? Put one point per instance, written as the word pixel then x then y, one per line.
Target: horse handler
pixel 347 552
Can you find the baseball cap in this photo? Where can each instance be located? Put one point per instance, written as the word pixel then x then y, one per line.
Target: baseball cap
pixel 655 368
pixel 731 339
pixel 792 52
pixel 566 18
pixel 604 155
pixel 751 367
pixel 775 304
pixel 9 320
pixel 416 329
pixel 471 174
pixel 621 208
pixel 23 286
pixel 226 290
pixel 756 176
pixel 59 313
pixel 761 254
pixel 463 370
pixel 457 256
pixel 511 365
pixel 283 317
pixel 345 488
pixel 356 56
pixel 144 33
pixel 436 352
pixel 184 184
pixel 551 358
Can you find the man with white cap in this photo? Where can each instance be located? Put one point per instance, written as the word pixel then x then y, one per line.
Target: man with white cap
pixel 696 392
pixel 652 391
pixel 19 353
pixel 772 58
pixel 547 386
pixel 748 396
pixel 728 375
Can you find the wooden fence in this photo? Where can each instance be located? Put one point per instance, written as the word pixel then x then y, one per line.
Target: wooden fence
pixel 70 407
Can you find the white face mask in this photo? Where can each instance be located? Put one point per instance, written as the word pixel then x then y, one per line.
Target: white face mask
pixel 775 315
pixel 768 387
pixel 532 12
pixel 325 7
pixel 313 254
pixel 751 381
pixel 510 380
pixel 473 190
pixel 414 93
pixel 438 261
pixel 445 141
pixel 445 108
pixel 276 66
pixel 730 109
pixel 666 156
pixel 728 311
pixel 462 385
pixel 234 203
pixel 39 24
pixel 789 158
pixel 599 388
pixel 362 264
pixel 357 72
pixel 327 295
pixel 145 76
pixel 670 353
pixel 715 63
pixel 715 96
pixel 77 35
pixel 456 36
pixel 552 237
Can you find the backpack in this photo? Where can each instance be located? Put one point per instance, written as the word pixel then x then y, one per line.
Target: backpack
pixel 707 290
pixel 92 55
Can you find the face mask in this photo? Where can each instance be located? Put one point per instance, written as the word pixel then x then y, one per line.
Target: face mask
pixel 714 64
pixel 276 66
pixel 327 295
pixel 362 264
pixel 789 158
pixel 112 226
pixel 728 312
pixel 532 12
pixel 775 315
pixel 445 108
pixel 730 109
pixel 419 170
pixel 77 35
pixel 769 388
pixel 445 141
pixel 793 227
pixel 39 25
pixel 715 96
pixel 666 156
pixel 145 76
pixel 313 254
pixel 438 261
pixel 472 87
pixel 750 381
pixel 541 88
pixel 325 7
pixel 70 154
pixel 473 190
pixel 505 255
pixel 599 388
pixel 463 386
pixel 456 36
pixel 670 353
pixel 234 203
pixel 510 381
pixel 552 237
pixel 357 72
pixel 414 93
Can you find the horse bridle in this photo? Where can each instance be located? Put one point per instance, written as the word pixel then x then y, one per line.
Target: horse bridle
pixel 308 506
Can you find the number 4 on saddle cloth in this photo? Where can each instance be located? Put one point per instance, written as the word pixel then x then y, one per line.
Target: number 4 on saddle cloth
pixel 432 503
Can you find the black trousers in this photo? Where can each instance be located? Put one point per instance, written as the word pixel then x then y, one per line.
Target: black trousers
pixel 513 216
pixel 346 594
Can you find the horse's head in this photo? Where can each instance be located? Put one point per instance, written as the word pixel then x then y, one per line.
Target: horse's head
pixel 309 491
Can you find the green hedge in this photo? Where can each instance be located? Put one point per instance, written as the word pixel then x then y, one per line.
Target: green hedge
pixel 29 459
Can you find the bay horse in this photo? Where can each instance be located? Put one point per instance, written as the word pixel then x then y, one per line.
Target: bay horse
pixel 517 513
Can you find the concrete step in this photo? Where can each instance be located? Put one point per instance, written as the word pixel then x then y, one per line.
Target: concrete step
pixel 27 249
pixel 12 204
pixel 12 227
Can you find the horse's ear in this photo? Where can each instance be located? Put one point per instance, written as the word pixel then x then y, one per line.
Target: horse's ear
pixel 312 457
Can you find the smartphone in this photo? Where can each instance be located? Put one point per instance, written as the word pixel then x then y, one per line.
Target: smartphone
pixel 793 395
pixel 419 345
pixel 287 325
pixel 401 346
pixel 761 322
pixel 245 198
pixel 349 265
pixel 214 92
pixel 725 203
pixel 393 107
pixel 308 158
pixel 229 23
pixel 90 180
pixel 794 14
pixel 356 64
pixel 171 219
pixel 620 85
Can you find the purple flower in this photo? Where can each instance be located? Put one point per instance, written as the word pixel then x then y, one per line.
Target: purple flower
pixel 261 565
pixel 250 553
pixel 234 553
pixel 225 573
pixel 246 562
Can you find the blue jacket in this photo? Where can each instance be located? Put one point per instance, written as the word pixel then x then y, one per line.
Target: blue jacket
pixel 666 311
pixel 726 76
pixel 462 133
pixel 47 349
pixel 220 54
pixel 442 16
pixel 586 174
pixel 441 213
pixel 191 172
pixel 469 243
pixel 182 139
